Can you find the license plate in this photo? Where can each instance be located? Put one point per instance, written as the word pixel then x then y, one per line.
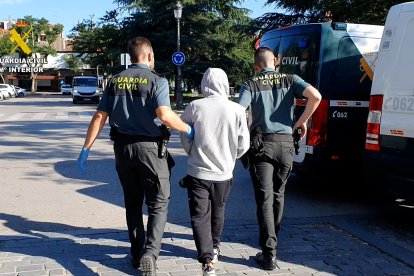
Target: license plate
pixel 86 99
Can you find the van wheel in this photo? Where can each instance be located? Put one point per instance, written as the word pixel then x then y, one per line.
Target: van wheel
pixel 74 101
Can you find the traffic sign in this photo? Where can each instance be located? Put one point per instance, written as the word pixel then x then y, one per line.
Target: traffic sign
pixel 178 58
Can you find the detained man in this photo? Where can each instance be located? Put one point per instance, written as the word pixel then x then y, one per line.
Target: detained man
pixel 221 136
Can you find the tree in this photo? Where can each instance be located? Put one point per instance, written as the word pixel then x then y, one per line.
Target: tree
pixel 99 41
pixel 211 36
pixel 297 12
pixel 5 48
pixel 74 63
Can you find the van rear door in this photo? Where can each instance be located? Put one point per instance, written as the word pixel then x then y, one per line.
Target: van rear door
pixel 398 103
pixel 397 82
pixel 350 91
pixel 298 54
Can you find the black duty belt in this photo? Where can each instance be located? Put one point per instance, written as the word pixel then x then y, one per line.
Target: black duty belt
pixel 275 137
pixel 116 136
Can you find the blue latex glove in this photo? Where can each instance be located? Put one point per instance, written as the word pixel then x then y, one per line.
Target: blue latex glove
pixel 190 132
pixel 82 159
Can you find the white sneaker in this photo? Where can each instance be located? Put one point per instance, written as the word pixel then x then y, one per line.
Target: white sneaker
pixel 208 270
pixel 216 256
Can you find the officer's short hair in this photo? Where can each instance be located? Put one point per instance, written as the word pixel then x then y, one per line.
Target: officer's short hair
pixel 138 46
pixel 263 55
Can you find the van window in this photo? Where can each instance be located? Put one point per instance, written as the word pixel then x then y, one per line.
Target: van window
pixel 299 55
pixel 85 82
pixel 352 81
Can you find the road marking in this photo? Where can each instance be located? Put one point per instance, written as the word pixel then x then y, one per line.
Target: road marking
pixel 85 115
pixel 62 116
pixel 38 116
pixel 15 117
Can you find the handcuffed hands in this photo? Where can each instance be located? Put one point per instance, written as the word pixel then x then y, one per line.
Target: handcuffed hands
pixel 82 159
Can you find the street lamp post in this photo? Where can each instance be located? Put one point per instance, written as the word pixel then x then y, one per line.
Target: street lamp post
pixel 178 8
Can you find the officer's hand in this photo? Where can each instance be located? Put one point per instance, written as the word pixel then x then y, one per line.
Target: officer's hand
pixel 82 159
pixel 302 127
pixel 190 132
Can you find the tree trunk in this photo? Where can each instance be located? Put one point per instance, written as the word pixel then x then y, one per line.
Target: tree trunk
pixel 34 75
pixel 33 89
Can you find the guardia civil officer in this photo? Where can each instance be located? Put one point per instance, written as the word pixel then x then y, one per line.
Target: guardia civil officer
pixel 270 96
pixel 133 100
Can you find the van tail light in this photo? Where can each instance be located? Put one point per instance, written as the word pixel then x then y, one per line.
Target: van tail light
pixel 318 125
pixel 374 123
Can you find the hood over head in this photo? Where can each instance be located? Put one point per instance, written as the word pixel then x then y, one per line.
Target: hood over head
pixel 215 82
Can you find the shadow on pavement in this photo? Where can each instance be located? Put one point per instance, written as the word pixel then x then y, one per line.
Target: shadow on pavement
pixel 76 252
pixel 38 140
pixel 82 251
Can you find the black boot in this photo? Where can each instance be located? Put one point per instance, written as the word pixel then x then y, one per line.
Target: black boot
pixel 266 262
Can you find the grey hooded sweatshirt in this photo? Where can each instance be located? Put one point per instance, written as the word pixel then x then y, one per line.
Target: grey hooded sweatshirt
pixel 221 132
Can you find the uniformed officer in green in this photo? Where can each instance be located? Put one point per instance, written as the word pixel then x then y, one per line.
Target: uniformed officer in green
pixel 271 96
pixel 135 100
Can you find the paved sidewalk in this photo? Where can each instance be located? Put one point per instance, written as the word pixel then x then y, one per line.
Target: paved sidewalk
pixel 304 249
pixel 46 207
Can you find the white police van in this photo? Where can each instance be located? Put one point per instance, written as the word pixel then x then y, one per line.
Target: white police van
pixel 85 88
pixel 390 132
pixel 338 59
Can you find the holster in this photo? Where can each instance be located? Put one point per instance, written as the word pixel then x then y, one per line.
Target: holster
pixel 162 147
pixel 296 139
pixel 256 142
pixel 162 144
pixel 256 149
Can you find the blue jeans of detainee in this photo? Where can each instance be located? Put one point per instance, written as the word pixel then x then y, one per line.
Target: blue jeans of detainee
pixel 143 175
pixel 269 174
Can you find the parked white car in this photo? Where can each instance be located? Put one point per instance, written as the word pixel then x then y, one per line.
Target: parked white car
pixel 66 89
pixel 7 90
pixel 5 94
